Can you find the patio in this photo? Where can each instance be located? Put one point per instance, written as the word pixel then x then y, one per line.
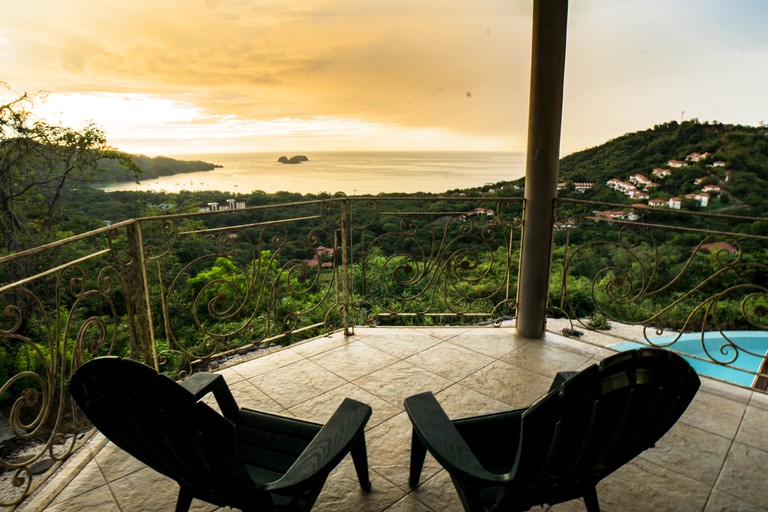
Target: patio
pixel 714 458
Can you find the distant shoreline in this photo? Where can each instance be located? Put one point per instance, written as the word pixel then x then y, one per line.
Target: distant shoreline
pixel 350 172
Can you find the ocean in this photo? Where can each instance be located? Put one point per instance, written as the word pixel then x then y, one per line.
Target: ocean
pixel 354 173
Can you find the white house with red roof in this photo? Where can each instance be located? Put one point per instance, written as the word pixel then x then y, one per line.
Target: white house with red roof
pixel 661 173
pixel 675 203
pixel 702 198
pixel 676 163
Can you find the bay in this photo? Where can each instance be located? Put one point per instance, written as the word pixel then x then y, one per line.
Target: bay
pixel 353 173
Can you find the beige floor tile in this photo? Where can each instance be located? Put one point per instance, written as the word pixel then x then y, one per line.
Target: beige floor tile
pixel 322 407
pixel 450 361
pixel 754 428
pixel 353 360
pixel 397 382
pixel 691 451
pixel 722 502
pixel 547 359
pixel 87 480
pixel 438 493
pixel 411 504
pixel 389 451
pixel 714 413
pixel 641 486
pixel 401 343
pixel 459 401
pixel 99 499
pixel 744 475
pixel 510 384
pixel 342 492
pixel 491 342
pixel 268 363
pixel 115 463
pixel 298 382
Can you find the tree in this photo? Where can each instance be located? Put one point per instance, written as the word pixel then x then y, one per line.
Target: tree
pixel 39 164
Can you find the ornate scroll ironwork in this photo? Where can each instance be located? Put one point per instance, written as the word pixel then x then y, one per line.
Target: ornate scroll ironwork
pixel 455 261
pixel 685 276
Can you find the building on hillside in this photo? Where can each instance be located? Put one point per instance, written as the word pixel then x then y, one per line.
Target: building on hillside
pixel 719 163
pixel 640 180
pixel 713 189
pixel 676 163
pixel 697 157
pixel 657 203
pixel 702 198
pixel 616 215
pixel 675 203
pixel 232 204
pixel 323 257
pixel 638 194
pixel 661 173
pixel 582 186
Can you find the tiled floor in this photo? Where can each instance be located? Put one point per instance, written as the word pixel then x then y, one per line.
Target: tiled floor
pixel 715 458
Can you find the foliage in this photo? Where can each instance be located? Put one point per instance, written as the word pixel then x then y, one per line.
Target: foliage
pixel 39 164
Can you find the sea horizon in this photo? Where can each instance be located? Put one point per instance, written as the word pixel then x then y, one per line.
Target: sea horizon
pixel 350 172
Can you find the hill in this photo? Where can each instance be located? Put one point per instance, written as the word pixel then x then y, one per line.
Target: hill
pixel 153 167
pixel 736 159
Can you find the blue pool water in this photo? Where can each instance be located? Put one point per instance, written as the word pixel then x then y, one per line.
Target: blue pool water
pixel 691 343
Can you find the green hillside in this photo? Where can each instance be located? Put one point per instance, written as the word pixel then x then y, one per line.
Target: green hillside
pixel 743 149
pixel 152 167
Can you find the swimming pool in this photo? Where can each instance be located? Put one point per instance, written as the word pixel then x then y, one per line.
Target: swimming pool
pixel 742 371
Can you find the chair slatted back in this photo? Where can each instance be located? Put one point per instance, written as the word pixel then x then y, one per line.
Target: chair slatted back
pixel 159 422
pixel 270 444
pixel 602 418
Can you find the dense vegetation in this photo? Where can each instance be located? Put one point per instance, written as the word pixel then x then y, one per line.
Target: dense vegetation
pixel 596 273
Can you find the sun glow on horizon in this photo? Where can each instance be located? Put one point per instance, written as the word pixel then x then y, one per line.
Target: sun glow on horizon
pixel 140 123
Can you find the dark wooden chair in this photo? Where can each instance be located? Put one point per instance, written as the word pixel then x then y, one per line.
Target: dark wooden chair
pixel 240 458
pixel 558 449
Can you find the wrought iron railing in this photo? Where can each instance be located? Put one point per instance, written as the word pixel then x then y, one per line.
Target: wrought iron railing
pixel 178 291
pixel 694 282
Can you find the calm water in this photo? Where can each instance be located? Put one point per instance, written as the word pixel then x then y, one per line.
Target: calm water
pixel 354 173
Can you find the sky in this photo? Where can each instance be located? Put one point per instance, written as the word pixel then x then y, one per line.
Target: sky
pixel 177 77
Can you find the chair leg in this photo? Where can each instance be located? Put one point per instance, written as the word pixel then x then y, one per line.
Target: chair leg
pixel 184 500
pixel 418 454
pixel 590 500
pixel 360 459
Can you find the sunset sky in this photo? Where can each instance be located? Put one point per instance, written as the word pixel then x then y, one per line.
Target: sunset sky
pixel 205 76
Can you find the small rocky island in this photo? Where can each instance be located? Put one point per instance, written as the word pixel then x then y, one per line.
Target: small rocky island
pixel 296 159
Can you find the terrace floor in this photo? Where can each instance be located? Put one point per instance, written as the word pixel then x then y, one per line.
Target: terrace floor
pixel 715 458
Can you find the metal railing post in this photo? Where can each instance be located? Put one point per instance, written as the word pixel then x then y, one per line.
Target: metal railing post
pixel 544 124
pixel 137 295
pixel 345 212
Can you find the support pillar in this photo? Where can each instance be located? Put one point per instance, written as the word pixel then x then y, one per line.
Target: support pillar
pixel 541 173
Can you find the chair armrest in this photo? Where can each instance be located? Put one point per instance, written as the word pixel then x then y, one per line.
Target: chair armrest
pixel 200 384
pixel 443 440
pixel 329 446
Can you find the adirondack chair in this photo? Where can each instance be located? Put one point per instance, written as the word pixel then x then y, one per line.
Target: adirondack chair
pixel 558 449
pixel 239 458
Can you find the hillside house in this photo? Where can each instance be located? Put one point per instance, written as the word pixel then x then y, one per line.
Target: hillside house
pixel 702 198
pixel 323 257
pixel 697 157
pixel 675 203
pixel 676 163
pixel 582 186
pixel 657 203
pixel 712 189
pixel 661 173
